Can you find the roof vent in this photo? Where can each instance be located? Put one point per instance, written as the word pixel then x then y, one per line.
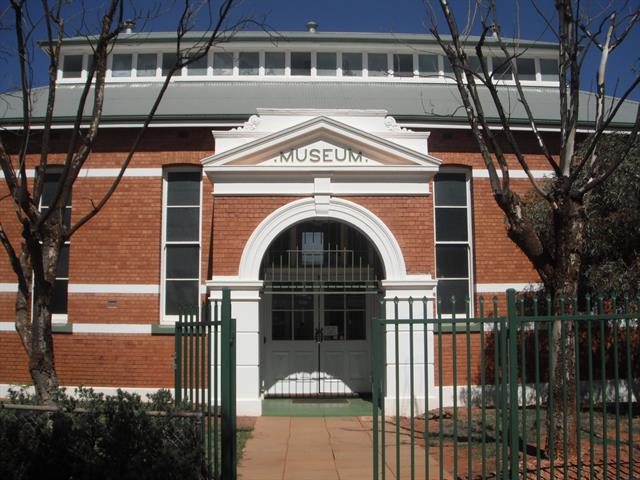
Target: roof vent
pixel 129 25
pixel 312 27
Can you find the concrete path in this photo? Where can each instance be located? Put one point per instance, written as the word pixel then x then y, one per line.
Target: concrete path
pixel 326 448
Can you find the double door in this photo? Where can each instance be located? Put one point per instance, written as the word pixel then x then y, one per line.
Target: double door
pixel 316 344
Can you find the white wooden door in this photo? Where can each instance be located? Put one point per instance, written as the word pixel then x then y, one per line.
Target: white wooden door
pixel 316 344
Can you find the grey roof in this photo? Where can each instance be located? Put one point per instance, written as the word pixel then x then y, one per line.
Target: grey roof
pixel 235 100
pixel 318 37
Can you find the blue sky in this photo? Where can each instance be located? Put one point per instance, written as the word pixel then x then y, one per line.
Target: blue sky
pixel 400 16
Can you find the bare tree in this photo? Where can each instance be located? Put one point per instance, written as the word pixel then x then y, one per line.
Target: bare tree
pixel 34 259
pixel 577 171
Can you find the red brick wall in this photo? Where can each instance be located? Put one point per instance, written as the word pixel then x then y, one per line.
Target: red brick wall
pixel 107 360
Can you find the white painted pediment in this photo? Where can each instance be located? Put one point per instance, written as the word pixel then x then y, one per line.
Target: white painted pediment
pixel 305 145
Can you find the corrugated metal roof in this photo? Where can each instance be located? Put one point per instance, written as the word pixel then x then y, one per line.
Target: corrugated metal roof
pixel 202 101
pixel 322 37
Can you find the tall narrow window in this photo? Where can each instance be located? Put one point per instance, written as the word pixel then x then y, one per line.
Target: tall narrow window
pixel 181 248
pixel 58 305
pixel 453 240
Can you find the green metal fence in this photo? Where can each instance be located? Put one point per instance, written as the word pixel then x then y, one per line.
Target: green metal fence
pixel 490 389
pixel 205 372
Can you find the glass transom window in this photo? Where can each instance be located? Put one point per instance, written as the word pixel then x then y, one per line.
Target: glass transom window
pixel 301 63
pixel 351 64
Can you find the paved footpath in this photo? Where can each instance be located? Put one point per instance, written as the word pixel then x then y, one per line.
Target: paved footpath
pixel 310 448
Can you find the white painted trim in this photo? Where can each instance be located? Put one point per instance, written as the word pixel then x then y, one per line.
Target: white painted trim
pixel 114 288
pixel 229 186
pixel 337 209
pixel 143 392
pixel 483 173
pixel 97 328
pixel 503 287
pixel 8 287
pixel 108 172
pixel 111 328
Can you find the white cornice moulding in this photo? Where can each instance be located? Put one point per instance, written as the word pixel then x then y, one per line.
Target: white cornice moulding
pixel 108 172
pixel 114 288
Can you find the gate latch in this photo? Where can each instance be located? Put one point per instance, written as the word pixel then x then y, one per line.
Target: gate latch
pixel 319 335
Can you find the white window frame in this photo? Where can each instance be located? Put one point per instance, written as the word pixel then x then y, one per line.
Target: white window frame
pixel 57 318
pixel 164 318
pixel 470 254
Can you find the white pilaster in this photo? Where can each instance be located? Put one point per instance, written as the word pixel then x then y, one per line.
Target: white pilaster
pixel 411 297
pixel 245 308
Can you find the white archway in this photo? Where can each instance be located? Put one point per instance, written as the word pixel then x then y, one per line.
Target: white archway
pixel 322 207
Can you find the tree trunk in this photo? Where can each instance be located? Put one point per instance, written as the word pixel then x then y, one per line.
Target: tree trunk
pixel 41 361
pixel 562 434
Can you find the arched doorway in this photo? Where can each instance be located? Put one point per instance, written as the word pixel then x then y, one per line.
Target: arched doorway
pixel 321 285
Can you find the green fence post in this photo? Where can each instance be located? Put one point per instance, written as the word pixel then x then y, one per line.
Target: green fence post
pixel 178 364
pixel 227 393
pixel 513 383
pixel 374 395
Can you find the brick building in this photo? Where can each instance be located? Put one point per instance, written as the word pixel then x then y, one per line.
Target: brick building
pixel 312 177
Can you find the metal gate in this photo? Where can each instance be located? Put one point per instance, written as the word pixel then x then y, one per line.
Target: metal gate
pixel 492 389
pixel 205 370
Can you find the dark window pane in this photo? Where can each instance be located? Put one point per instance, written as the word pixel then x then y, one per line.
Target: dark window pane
pixel 183 224
pixel 274 63
pixel 183 261
pixel 326 64
pixel 121 65
pixel 303 326
pixel 301 63
pixel 403 65
pixel 452 261
pixel 281 326
pixel 169 60
pixel 446 67
pixel 428 65
pixel 356 326
pixel 549 69
pixel 66 217
pixel 223 63
pixel 62 270
pixel 356 301
pixel 474 63
pixel 303 301
pixel 146 66
pixel 450 189
pixel 183 188
pixel 59 297
pixel 451 224
pixel 457 288
pixel 377 65
pixel 526 68
pixel 333 325
pixel 351 64
pixel 72 66
pixel 334 302
pixel 502 68
pixel 281 302
pixel 249 63
pixel 198 67
pixel 181 296
pixel 50 186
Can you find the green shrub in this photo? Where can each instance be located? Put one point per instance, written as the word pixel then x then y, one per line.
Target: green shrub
pixel 93 436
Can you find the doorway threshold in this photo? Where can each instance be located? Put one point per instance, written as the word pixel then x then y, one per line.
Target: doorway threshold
pixel 317 407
